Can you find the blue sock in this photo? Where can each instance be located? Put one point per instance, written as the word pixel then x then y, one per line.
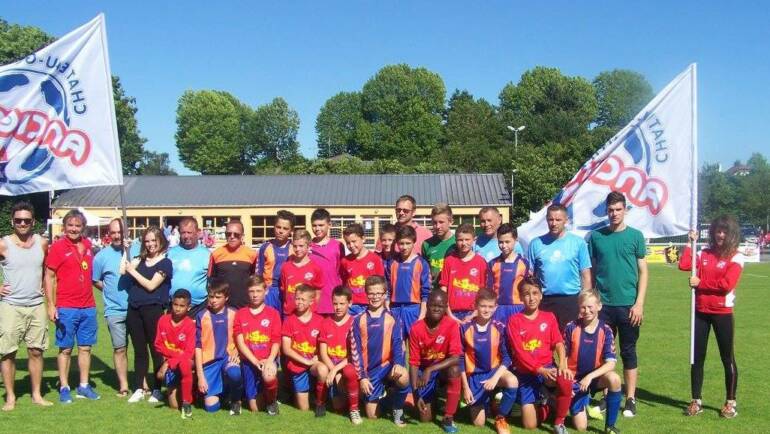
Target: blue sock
pixel 398 400
pixel 509 398
pixel 613 407
pixel 234 382
pixel 213 408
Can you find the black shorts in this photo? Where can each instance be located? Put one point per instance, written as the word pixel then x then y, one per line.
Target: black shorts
pixel 617 318
pixel 565 307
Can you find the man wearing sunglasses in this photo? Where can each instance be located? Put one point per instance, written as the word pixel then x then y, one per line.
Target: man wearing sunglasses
pixel 234 263
pixel 406 208
pixel 23 315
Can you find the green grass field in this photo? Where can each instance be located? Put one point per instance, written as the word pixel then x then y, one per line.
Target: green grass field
pixel 664 385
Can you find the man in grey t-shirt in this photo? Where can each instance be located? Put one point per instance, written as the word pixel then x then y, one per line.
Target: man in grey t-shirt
pixel 23 316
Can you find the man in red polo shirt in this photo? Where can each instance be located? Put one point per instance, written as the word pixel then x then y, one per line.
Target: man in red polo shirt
pixel 406 207
pixel 71 305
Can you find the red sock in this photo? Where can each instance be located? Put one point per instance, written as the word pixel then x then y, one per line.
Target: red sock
pixel 543 411
pixel 186 382
pixel 452 396
pixel 320 392
pixel 563 399
pixel 271 391
pixel 350 377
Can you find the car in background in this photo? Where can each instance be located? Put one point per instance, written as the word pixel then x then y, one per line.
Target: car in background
pixel 749 234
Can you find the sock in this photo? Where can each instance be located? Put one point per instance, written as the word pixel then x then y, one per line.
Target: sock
pixel 509 398
pixel 452 396
pixel 234 382
pixel 271 391
pixel 398 400
pixel 613 408
pixel 186 382
pixel 563 399
pixel 350 377
pixel 82 385
pixel 320 392
pixel 213 408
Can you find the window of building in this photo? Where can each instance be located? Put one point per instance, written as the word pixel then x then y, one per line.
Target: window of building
pixel 137 224
pixel 216 225
pixel 262 227
pixel 338 224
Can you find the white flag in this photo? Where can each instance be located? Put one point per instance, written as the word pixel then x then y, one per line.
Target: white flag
pixel 57 116
pixel 652 161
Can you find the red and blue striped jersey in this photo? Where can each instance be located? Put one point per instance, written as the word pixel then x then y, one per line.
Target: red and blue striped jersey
pixel 270 260
pixel 214 334
pixel 504 277
pixel 408 281
pixel 484 350
pixel 588 351
pixel 376 342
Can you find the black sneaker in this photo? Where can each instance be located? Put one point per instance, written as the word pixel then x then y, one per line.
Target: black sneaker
pixel 235 408
pixel 630 409
pixel 320 410
pixel 611 430
pixel 272 409
pixel 186 411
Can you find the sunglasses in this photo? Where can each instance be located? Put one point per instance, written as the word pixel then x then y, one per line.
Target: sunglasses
pixel 18 221
pixel 404 210
pixel 233 234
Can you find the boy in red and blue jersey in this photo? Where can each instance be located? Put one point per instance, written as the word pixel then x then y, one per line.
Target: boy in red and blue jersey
pixel 257 331
pixel 216 359
pixel 175 341
pixel 590 348
pixel 377 352
pixel 333 352
pixel 299 269
pixel 299 344
pixel 505 272
pixel 386 247
pixel 464 273
pixel 434 355
pixel 533 336
pixel 408 278
pixel 485 363
pixel 272 254
pixel 356 267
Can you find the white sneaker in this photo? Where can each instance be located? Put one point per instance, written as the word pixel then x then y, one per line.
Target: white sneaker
pixel 137 396
pixel 155 397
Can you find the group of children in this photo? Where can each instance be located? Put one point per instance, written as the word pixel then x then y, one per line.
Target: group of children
pixel 471 327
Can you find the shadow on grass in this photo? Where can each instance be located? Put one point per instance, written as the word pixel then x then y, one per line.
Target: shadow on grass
pixel 105 373
pixel 645 396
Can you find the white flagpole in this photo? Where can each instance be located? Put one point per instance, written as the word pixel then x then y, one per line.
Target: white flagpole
pixel 694 202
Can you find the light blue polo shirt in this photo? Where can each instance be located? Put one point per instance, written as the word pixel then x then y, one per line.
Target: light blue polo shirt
pixel 191 267
pixel 489 249
pixel 557 262
pixel 106 269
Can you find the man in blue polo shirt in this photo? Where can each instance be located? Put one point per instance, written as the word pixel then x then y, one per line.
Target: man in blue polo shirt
pixel 107 278
pixel 561 262
pixel 486 243
pixel 190 260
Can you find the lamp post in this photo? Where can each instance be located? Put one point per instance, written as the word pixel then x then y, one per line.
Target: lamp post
pixel 516 135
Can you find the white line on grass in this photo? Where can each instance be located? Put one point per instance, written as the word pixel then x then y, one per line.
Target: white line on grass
pixel 755 275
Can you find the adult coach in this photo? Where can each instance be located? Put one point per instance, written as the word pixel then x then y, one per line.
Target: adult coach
pixel 71 304
pixel 190 261
pixel 561 263
pixel 406 207
pixel 234 263
pixel 620 275
pixel 22 311
pixel 107 278
pixel 486 243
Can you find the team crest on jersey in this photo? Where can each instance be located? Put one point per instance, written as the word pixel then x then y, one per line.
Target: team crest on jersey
pixel 314 333
pixel 308 276
pixel 370 266
pixel 721 264
pixel 265 322
pixel 440 339
pixel 182 337
pixel 543 326
pixel 474 272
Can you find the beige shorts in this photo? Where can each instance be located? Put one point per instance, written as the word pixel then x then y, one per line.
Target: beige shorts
pixel 22 323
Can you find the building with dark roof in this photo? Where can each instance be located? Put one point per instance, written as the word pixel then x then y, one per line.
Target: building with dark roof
pixel 254 199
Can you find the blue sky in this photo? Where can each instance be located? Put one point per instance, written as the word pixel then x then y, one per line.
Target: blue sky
pixel 307 51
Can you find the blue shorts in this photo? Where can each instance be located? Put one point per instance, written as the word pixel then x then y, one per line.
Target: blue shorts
pixel 252 380
pixel 356 309
pixel 462 314
pixel 215 373
pixel 480 396
pixel 529 388
pixel 172 377
pixel 505 311
pixel 379 379
pixel 426 392
pixel 273 298
pixel 301 381
pixel 76 323
pixel 407 313
pixel 580 400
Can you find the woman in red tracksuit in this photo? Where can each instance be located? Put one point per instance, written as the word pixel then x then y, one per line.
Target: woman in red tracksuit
pixel 718 269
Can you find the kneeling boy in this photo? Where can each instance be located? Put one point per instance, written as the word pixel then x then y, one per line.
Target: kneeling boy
pixel 175 341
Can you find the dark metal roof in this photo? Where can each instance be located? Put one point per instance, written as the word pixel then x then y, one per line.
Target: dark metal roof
pixel 293 190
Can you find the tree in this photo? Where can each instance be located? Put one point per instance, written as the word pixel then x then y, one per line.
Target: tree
pixel 620 94
pixel 275 127
pixel 211 133
pixel 473 134
pixel 337 125
pixel 753 191
pixel 718 194
pixel 402 107
pixel 18 41
pixel 155 163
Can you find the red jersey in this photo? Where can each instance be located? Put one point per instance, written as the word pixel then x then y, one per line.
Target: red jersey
pixel 355 271
pixel 292 275
pixel 73 273
pixel 304 339
pixel 428 347
pixel 718 279
pixel 260 331
pixel 175 342
pixel 532 341
pixel 335 336
pixel 462 280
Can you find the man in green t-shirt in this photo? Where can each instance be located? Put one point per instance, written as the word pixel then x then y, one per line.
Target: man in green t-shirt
pixel 620 275
pixel 437 247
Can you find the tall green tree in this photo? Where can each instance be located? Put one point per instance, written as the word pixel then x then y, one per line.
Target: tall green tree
pixel 155 163
pixel 18 41
pixel 718 193
pixel 620 94
pixel 275 127
pixel 474 135
pixel 753 190
pixel 337 125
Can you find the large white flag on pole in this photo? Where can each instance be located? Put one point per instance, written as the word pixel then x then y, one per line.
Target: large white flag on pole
pixel 652 161
pixel 57 116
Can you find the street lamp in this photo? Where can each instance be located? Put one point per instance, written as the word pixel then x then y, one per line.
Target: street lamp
pixel 516 135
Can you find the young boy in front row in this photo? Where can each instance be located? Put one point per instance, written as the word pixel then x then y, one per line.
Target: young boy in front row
pixel 333 352
pixel 299 344
pixel 357 266
pixel 377 351
pixel 585 340
pixel 505 273
pixel 464 273
pixel 257 331
pixel 175 341
pixel 216 359
pixel 485 363
pixel 434 355
pixel 533 335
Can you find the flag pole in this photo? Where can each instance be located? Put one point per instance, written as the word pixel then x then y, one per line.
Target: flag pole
pixel 125 219
pixel 694 202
